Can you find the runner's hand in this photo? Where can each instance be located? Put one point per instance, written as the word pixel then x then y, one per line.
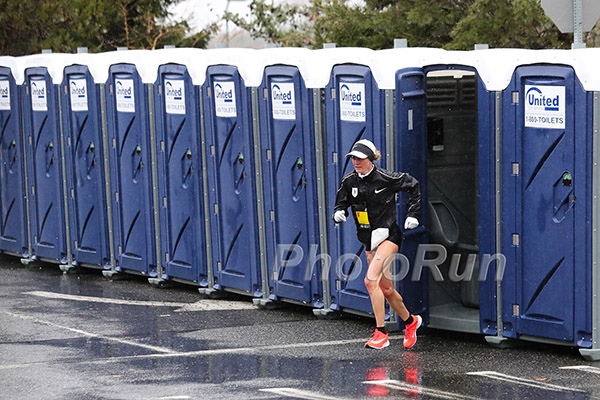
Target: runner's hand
pixel 339 216
pixel 411 223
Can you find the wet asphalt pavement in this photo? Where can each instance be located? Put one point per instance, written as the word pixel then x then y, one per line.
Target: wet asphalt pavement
pixel 84 337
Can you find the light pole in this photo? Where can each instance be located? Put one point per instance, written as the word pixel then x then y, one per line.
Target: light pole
pixel 227 21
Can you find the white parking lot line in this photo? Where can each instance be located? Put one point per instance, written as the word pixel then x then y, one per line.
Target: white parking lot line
pixel 522 381
pixel 300 394
pixel 200 305
pixel 174 398
pixel 93 335
pixel 420 390
pixel 584 368
pixel 200 353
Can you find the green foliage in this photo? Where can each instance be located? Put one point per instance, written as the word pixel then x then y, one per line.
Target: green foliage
pixel 452 24
pixel 429 22
pixel 286 24
pixel 27 26
pixel 380 4
pixel 335 22
pixel 523 24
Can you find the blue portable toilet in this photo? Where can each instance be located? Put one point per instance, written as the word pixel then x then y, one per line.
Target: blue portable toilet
pixel 14 236
pixel 84 157
pixel 547 163
pixel 45 169
pixel 131 160
pixel 232 180
pixel 180 166
pixel 354 110
pixel 406 141
pixel 443 136
pixel 504 123
pixel 289 166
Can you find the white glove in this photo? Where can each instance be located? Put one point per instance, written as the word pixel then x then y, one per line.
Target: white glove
pixel 411 223
pixel 339 216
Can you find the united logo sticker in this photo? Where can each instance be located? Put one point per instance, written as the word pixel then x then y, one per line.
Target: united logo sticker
pixel 352 102
pixel 78 90
pixel 125 95
pixel 4 95
pixel 282 99
pixel 175 97
pixel 225 104
pixel 39 99
pixel 545 107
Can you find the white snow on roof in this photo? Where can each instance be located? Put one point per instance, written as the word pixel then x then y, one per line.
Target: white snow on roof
pixel 494 66
pixel 53 62
pixel 8 62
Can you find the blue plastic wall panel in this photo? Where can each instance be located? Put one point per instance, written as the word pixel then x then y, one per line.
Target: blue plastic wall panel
pixel 13 234
pixel 487 207
pixel 289 185
pixel 231 181
pixel 411 157
pixel 84 156
pixel 131 177
pixel 354 110
pixel 545 239
pixel 42 131
pixel 183 242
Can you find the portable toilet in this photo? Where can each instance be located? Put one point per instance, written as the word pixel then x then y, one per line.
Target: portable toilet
pixel 354 110
pixel 503 185
pixel 288 155
pixel 547 197
pixel 14 234
pixel 181 166
pixel 405 137
pixel 45 164
pixel 84 130
pixel 130 123
pixel 233 177
pixel 443 135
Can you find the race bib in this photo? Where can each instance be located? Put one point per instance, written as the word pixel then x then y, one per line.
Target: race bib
pixel 362 217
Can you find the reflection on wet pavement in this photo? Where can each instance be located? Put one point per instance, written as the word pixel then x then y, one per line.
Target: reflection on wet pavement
pixel 139 346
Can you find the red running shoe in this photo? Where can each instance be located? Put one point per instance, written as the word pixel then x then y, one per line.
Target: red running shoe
pixel 410 333
pixel 379 340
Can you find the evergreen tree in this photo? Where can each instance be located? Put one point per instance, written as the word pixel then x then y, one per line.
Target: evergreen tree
pixel 452 24
pixel 27 26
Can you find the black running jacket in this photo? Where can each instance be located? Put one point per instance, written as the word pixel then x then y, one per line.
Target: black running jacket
pixel 375 194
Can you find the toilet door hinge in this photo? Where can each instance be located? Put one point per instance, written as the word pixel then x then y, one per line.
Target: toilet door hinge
pixel 516 310
pixel 515 239
pixel 515 169
pixel 515 97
